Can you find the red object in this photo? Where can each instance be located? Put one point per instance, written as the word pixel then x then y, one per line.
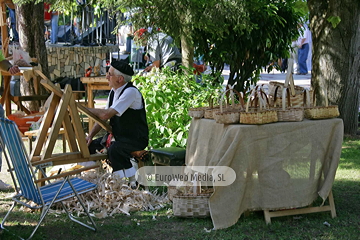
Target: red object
pixel 108 140
pixel 140 32
pixel 199 68
pixel 88 72
pixel 47 13
pixel 24 122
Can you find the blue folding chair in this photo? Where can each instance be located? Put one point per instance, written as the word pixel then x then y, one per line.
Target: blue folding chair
pixel 26 183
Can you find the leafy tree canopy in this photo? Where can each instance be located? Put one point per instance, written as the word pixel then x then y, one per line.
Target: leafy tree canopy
pixel 247 34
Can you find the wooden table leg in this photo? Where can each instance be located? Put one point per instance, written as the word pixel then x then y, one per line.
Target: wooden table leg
pixel 30 143
pixel 64 142
pixel 90 103
pixel 5 100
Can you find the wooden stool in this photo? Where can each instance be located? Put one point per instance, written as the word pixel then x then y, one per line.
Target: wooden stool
pixel 140 156
pixel 170 156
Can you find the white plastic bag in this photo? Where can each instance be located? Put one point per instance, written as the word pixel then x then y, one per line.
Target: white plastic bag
pixel 19 54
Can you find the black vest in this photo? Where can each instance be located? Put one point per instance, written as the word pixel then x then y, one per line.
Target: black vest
pixel 131 127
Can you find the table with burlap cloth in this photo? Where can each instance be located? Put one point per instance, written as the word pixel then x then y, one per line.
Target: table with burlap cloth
pixel 278 166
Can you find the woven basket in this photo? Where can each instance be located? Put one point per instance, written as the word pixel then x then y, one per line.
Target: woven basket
pixel 274 84
pixel 191 206
pixel 197 112
pixel 171 191
pixel 288 114
pixel 229 115
pixel 258 115
pixel 297 101
pixel 212 110
pixel 322 112
pixel 297 92
pixel 209 112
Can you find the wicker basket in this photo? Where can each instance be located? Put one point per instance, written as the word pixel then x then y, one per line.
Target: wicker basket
pixel 260 117
pixel 297 101
pixel 297 92
pixel 191 206
pixel 288 114
pixel 229 115
pixel 322 112
pixel 273 85
pixel 209 112
pixel 171 191
pixel 177 187
pixel 261 114
pixel 197 112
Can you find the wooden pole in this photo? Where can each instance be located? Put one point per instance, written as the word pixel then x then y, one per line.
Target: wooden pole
pixel 5 99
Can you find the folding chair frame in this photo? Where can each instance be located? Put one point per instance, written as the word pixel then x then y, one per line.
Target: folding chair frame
pixel 64 189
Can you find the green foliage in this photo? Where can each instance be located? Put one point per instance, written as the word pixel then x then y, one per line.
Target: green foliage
pixel 334 20
pixel 247 35
pixel 302 8
pixel 272 25
pixel 168 97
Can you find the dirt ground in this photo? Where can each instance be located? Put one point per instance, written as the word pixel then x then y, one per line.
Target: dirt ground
pixel 4 174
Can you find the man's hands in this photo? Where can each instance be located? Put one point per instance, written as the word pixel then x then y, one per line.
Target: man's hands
pixel 88 140
pixel 14 70
pixel 154 64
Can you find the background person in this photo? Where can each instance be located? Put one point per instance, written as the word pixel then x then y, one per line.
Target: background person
pixel 12 16
pixel 126 110
pixel 54 27
pixel 47 20
pixel 303 51
pixel 161 50
pixel 51 18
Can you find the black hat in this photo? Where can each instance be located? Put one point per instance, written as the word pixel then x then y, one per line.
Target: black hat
pixel 123 67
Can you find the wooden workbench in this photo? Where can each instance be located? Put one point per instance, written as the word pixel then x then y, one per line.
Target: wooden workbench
pixel 92 84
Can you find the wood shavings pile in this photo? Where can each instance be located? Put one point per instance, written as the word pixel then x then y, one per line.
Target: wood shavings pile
pixel 114 196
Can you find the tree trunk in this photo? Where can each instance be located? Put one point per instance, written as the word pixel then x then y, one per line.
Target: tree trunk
pixel 336 56
pixel 187 52
pixel 30 20
pixel 187 47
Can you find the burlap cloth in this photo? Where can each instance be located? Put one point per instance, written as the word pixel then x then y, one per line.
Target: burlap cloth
pixel 278 165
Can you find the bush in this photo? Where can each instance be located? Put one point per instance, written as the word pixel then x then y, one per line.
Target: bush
pixel 168 97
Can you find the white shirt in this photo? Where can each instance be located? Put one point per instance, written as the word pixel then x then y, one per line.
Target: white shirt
pixel 305 34
pixel 131 98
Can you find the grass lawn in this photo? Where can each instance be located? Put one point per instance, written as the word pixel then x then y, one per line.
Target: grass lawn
pixel 162 225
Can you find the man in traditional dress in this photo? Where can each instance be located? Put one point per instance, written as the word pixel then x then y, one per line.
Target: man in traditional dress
pixel 126 110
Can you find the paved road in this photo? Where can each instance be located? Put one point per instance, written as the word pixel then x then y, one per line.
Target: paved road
pixel 265 78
